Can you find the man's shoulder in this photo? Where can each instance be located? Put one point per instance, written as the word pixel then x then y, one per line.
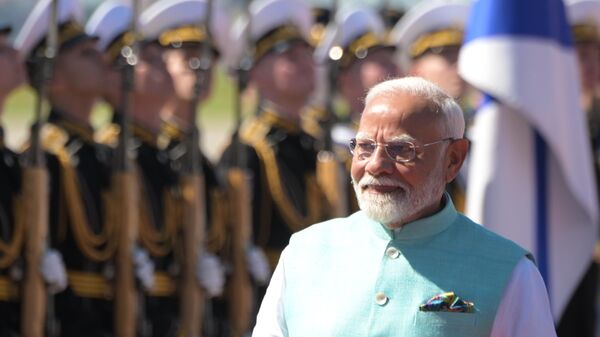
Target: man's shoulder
pixel 326 230
pixel 477 235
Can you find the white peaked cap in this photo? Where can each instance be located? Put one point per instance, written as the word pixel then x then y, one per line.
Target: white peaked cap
pixel 350 25
pixel 583 12
pixel 109 20
pixel 267 15
pixel 426 17
pixel 164 15
pixel 36 25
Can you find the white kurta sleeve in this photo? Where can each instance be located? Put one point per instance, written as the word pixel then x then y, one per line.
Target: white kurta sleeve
pixel 270 321
pixel 524 310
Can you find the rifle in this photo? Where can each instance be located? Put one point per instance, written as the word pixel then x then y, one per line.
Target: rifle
pixel 330 173
pixel 193 193
pixel 238 189
pixel 38 306
pixel 126 191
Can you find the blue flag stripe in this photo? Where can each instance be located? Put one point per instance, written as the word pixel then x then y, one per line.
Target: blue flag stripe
pixel 544 19
pixel 541 174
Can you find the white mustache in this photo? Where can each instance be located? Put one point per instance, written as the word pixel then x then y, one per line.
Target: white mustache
pixel 369 180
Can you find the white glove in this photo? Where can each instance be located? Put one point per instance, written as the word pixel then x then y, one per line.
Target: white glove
pixel 210 274
pixel 258 265
pixel 144 267
pixel 53 271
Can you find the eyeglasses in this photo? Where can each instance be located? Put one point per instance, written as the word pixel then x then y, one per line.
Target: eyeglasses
pixel 398 151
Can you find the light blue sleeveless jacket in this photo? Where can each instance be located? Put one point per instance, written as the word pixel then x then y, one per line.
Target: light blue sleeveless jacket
pixel 353 277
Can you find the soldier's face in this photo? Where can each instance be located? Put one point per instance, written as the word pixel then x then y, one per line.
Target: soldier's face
pixel 441 68
pixel 184 78
pixel 11 67
pixel 290 73
pixel 589 67
pixel 113 84
pixel 81 70
pixel 363 74
pixel 151 76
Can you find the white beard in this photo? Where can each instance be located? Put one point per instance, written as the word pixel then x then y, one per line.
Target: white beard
pixel 396 207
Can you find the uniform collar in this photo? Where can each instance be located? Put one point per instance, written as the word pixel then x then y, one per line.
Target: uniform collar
pixel 419 229
pixel 144 135
pixel 271 117
pixel 83 131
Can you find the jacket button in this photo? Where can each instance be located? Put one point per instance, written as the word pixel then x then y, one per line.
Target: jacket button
pixel 381 299
pixel 392 253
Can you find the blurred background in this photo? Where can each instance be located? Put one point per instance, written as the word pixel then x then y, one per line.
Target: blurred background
pixel 216 115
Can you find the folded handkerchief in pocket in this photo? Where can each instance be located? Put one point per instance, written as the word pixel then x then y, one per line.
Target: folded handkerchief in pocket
pixel 447 302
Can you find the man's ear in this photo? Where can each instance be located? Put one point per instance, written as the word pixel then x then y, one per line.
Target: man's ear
pixel 455 156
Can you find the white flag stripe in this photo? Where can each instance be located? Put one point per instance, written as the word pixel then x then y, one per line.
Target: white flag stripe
pixel 502 193
pixel 540 80
pixel 534 82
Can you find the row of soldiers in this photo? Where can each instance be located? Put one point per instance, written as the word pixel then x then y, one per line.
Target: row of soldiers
pixel 285 168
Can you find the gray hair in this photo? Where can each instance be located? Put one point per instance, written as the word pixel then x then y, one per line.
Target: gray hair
pixel 443 103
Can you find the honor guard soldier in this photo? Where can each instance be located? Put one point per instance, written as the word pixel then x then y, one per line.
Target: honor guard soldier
pixel 280 156
pixel 181 28
pixel 158 213
pixel 77 166
pixel 580 316
pixel 11 230
pixel 429 37
pixel 175 23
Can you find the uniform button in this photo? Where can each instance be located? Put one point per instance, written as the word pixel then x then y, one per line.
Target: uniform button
pixel 392 253
pixel 380 298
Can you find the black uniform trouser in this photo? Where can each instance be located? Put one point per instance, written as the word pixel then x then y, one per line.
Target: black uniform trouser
pixel 9 322
pixel 163 315
pixel 579 318
pixel 81 316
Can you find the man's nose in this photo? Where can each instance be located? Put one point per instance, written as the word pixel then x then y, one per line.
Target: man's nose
pixel 380 162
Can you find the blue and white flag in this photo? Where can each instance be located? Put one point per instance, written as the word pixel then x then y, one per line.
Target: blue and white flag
pixel 530 175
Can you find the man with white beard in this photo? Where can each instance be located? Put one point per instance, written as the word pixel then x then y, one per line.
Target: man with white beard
pixel 408 264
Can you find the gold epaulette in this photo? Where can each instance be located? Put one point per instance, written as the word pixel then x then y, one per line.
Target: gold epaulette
pixel 254 134
pixel 170 131
pixel 311 121
pixel 53 138
pixel 253 130
pixel 89 285
pixel 109 135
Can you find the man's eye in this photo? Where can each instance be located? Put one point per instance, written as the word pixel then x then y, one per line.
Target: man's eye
pixel 365 147
pixel 399 149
